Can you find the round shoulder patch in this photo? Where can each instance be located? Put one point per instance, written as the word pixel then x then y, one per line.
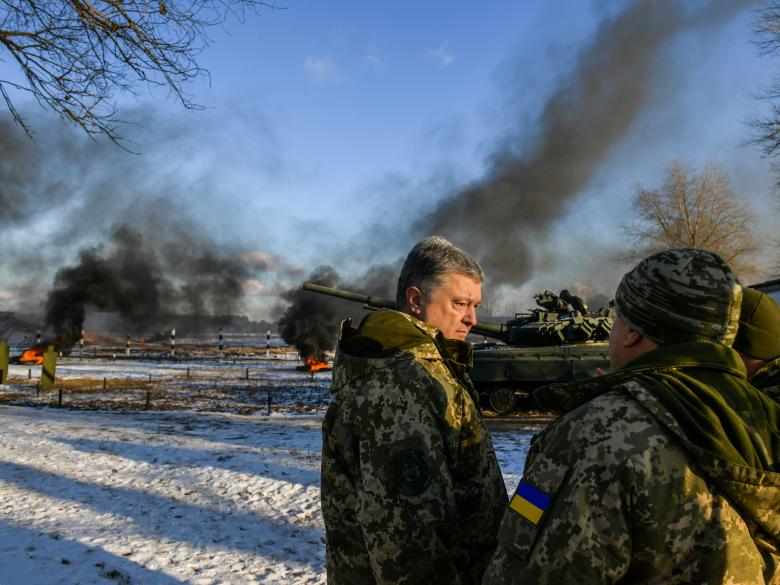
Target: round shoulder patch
pixel 411 472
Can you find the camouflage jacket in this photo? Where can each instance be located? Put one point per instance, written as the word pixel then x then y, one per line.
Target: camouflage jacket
pixel 621 489
pixel 767 379
pixel 411 489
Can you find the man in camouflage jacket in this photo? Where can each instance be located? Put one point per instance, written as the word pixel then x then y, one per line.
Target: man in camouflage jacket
pixel 664 470
pixel 411 489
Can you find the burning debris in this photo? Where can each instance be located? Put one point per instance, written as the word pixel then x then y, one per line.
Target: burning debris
pixel 310 323
pixel 314 364
pixel 32 356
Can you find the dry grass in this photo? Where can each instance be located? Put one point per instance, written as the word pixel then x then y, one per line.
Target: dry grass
pixel 87 385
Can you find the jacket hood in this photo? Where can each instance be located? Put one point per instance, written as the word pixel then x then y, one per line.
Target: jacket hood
pixel 699 392
pixel 386 337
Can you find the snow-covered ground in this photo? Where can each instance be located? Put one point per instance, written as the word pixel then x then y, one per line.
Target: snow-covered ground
pixel 161 496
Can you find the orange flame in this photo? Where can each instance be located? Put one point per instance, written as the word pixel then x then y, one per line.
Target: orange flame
pixel 315 364
pixel 32 356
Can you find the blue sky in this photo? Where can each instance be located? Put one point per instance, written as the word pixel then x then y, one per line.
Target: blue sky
pixel 329 126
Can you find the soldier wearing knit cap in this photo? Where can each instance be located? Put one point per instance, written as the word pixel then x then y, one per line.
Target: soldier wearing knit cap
pixel 758 341
pixel 665 470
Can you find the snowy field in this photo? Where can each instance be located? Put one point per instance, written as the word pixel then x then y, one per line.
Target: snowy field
pixel 238 385
pixel 171 496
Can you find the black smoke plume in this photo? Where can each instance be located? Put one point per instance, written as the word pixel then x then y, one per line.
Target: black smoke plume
pixel 143 282
pixel 503 216
pixel 311 321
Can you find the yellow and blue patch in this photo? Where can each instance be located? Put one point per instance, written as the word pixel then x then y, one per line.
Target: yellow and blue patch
pixel 529 502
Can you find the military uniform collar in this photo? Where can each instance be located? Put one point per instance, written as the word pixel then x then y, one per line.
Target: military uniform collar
pixel 692 354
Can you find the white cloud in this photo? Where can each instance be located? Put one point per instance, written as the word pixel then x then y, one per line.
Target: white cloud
pixel 442 54
pixel 6 295
pixel 323 70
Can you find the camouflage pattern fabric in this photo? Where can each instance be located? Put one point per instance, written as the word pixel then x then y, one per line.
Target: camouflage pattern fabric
pixel 681 295
pixel 767 379
pixel 614 492
pixel 411 489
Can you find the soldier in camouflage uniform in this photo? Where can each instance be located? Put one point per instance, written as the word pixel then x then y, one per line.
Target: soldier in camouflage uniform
pixel 666 469
pixel 411 489
pixel 758 341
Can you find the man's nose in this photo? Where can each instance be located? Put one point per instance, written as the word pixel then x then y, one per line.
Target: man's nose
pixel 470 317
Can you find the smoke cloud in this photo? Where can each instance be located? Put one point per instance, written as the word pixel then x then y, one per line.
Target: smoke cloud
pixel 156 267
pixel 311 321
pixel 144 283
pixel 501 217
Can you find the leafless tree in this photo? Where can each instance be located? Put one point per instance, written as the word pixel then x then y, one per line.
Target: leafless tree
pixel 695 210
pixel 73 55
pixel 767 128
pixel 768 40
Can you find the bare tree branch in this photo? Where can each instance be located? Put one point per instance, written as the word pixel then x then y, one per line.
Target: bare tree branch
pixel 767 128
pixel 694 211
pixel 75 54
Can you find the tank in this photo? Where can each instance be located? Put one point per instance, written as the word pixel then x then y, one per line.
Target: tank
pixel 559 341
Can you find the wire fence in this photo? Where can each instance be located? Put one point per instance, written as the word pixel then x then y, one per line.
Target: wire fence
pixel 259 387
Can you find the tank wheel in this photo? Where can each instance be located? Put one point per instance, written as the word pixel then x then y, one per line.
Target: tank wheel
pixel 502 400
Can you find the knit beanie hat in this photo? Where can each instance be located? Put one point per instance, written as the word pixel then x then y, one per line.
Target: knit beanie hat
pixel 759 326
pixel 681 295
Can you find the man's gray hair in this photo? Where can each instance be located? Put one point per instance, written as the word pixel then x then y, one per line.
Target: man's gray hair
pixel 429 262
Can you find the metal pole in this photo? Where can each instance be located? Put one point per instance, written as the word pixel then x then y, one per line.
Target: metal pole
pixel 127 349
pixel 221 342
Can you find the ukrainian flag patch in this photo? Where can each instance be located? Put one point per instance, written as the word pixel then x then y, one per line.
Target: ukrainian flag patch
pixel 529 502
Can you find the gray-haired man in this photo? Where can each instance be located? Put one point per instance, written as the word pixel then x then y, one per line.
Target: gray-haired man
pixel 411 489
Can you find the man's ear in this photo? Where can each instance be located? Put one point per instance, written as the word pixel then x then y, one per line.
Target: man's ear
pixel 632 338
pixel 414 299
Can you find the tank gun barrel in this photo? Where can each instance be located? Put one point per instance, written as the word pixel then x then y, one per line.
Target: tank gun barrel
pixel 374 302
pixel 493 330
pixel 486 329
